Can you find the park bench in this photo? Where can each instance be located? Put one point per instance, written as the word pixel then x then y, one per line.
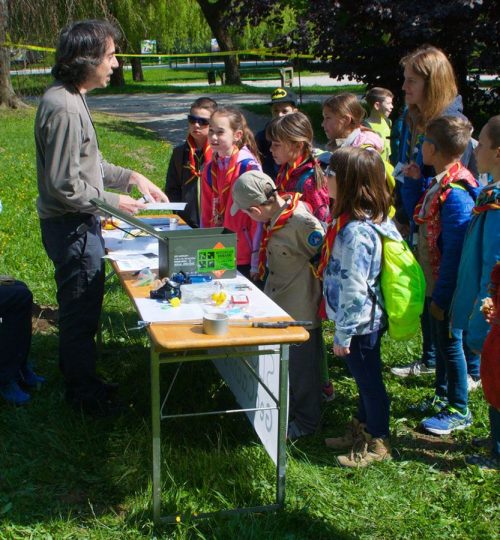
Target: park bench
pixel 255 73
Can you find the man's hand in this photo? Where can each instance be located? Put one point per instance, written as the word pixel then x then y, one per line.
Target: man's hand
pixel 436 311
pixel 340 351
pixel 130 205
pixel 412 170
pixel 151 191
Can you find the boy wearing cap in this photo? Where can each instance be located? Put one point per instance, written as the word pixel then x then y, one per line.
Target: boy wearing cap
pixel 291 237
pixel 283 101
pixel 184 170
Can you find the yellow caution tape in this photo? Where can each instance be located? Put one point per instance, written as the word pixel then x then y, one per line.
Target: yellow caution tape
pixel 253 52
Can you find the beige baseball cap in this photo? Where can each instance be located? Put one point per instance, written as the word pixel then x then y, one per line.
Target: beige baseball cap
pixel 251 189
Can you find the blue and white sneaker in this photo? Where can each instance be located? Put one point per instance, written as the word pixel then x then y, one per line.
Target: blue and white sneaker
pixel 434 405
pixel 29 378
pixel 448 420
pixel 13 394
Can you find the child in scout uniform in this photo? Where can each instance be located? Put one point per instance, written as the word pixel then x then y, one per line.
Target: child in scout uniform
pixel 184 171
pixel 291 237
pixel 283 101
pixel 442 215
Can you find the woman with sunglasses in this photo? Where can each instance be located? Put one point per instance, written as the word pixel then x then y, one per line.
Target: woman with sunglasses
pixel 184 170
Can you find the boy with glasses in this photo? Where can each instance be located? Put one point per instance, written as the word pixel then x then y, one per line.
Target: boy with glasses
pixel 184 170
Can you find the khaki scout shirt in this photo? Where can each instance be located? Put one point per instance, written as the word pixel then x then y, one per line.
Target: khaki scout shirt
pixel 291 282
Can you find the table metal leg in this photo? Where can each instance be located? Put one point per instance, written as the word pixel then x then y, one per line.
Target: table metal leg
pixel 156 429
pixel 282 425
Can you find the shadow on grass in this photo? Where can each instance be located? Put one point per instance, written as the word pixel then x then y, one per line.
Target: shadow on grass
pixel 292 524
pixel 129 129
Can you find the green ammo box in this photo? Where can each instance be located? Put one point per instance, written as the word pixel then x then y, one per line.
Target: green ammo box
pixel 207 251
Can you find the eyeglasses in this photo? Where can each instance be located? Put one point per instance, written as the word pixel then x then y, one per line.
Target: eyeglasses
pixel 198 120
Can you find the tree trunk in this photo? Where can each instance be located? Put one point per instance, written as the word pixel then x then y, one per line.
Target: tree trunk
pixel 137 74
pixel 117 79
pixel 8 97
pixel 215 15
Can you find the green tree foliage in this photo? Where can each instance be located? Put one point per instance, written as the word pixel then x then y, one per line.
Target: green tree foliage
pixel 366 39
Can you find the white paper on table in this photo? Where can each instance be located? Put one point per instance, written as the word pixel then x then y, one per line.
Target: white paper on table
pixel 259 306
pixel 166 206
pixel 125 244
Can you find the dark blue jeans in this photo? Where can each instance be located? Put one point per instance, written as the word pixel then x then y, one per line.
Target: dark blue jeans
pixel 451 368
pixel 495 431
pixel 16 303
pixel 472 360
pixel 74 244
pixel 428 347
pixel 365 366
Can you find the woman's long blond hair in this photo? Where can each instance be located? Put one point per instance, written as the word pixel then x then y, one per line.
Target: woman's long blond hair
pixel 440 87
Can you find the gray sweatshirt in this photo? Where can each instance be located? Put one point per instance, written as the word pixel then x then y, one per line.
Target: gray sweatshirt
pixel 70 168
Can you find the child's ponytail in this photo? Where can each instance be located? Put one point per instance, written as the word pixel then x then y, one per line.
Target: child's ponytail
pixel 296 128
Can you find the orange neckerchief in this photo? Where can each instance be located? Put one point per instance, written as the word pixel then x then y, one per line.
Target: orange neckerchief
pixel 268 231
pixel 222 180
pixel 194 163
pixel 326 251
pixel 329 240
pixel 286 171
pixel 456 173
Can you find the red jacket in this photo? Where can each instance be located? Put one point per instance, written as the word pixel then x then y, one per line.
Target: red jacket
pixel 241 224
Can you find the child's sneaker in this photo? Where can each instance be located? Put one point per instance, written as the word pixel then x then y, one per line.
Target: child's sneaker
pixel 448 420
pixel 473 384
pixel 366 450
pixel 13 394
pixel 327 391
pixel 346 441
pixel 414 369
pixel 29 378
pixel 430 405
pixel 487 463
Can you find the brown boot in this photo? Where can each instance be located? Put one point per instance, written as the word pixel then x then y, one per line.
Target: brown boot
pixel 348 439
pixel 366 450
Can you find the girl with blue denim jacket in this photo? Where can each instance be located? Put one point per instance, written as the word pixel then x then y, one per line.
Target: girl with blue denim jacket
pixel 351 265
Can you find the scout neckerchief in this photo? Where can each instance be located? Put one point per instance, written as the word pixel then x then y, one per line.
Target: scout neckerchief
pixel 488 199
pixel 268 231
pixel 195 162
pixel 458 174
pixel 222 180
pixel 288 172
pixel 326 251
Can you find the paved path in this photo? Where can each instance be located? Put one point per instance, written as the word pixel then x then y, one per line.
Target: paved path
pixel 166 113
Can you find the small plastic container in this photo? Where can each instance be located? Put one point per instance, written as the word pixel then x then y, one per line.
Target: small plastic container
pixel 216 324
pixel 172 223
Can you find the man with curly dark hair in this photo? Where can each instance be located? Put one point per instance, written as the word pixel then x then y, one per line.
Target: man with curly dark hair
pixel 71 172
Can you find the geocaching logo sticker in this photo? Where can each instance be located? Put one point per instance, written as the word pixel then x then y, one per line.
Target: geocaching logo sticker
pixel 279 93
pixel 315 238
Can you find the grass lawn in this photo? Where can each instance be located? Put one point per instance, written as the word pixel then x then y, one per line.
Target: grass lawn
pixel 159 80
pixel 66 476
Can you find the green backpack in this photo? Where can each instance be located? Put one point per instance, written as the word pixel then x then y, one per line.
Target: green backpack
pixel 403 288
